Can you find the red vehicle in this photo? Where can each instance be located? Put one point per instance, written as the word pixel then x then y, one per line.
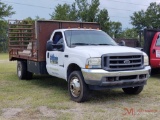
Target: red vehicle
pixel 152 46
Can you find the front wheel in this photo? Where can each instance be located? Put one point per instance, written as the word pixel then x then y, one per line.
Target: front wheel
pixel 77 88
pixel 133 90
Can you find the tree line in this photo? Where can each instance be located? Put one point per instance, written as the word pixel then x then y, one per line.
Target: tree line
pixel 81 10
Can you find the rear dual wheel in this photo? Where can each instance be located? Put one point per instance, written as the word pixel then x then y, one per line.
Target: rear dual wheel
pixel 22 71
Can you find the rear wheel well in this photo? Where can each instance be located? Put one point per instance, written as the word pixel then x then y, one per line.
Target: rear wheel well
pixel 71 68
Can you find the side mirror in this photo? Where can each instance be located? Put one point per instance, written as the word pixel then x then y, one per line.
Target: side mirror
pixel 49 46
pixel 58 47
pixel 122 43
pixel 54 47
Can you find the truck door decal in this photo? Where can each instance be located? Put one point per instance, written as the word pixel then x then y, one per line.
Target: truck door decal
pixel 53 59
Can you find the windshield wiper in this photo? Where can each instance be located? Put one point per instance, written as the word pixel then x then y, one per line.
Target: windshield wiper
pixel 83 44
pixel 104 44
pixel 89 44
pixel 79 44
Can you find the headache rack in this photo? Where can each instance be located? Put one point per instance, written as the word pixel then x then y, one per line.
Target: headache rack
pixel 22 41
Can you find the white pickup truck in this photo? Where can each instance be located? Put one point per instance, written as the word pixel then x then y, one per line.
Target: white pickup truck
pixel 89 59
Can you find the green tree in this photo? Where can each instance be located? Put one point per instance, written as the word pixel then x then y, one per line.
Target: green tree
pixel 91 13
pixel 30 20
pixel 103 20
pixel 5 11
pixel 93 10
pixel 115 28
pixel 39 18
pixel 64 12
pixel 129 34
pixel 81 10
pixel 73 12
pixel 147 19
pixel 153 15
pixel 87 12
pixel 3 36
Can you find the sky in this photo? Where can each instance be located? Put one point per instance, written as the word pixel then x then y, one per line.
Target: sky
pixel 119 10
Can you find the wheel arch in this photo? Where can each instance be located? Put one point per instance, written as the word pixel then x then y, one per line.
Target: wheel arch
pixel 72 67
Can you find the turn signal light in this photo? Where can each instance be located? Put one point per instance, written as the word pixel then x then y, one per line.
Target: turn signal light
pixel 87 66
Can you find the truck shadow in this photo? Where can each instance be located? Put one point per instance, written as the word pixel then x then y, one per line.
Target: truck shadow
pixel 95 96
pixel 157 76
pixel 114 95
pixel 155 71
pixel 47 81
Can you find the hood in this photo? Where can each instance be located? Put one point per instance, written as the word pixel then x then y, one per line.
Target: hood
pixel 98 51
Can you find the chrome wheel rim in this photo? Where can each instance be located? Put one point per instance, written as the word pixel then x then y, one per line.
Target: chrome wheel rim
pixel 19 71
pixel 75 87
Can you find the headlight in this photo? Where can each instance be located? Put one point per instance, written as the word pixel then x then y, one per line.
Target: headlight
pixel 93 63
pixel 146 62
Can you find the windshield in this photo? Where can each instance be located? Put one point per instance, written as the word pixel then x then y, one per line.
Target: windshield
pixel 87 37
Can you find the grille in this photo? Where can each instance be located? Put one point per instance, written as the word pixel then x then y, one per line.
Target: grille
pixel 128 61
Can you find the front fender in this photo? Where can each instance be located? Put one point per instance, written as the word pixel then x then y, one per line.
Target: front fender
pixel 77 61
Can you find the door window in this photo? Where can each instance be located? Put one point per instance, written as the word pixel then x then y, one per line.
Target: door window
pixel 158 41
pixel 58 42
pixel 58 38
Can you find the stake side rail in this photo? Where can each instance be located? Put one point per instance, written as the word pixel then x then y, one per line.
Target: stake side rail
pixel 22 42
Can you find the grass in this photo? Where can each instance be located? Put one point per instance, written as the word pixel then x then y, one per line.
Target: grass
pixel 52 93
pixel 4 56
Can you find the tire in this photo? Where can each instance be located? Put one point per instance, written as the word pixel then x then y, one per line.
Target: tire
pixel 29 75
pixel 77 88
pixel 22 70
pixel 155 71
pixel 133 90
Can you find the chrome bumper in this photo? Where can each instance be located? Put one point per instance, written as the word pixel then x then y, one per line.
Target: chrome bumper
pixel 100 77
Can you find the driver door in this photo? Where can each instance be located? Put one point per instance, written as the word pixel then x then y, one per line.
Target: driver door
pixel 55 63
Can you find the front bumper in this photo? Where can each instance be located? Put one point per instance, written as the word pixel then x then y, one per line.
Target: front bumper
pixel 116 79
